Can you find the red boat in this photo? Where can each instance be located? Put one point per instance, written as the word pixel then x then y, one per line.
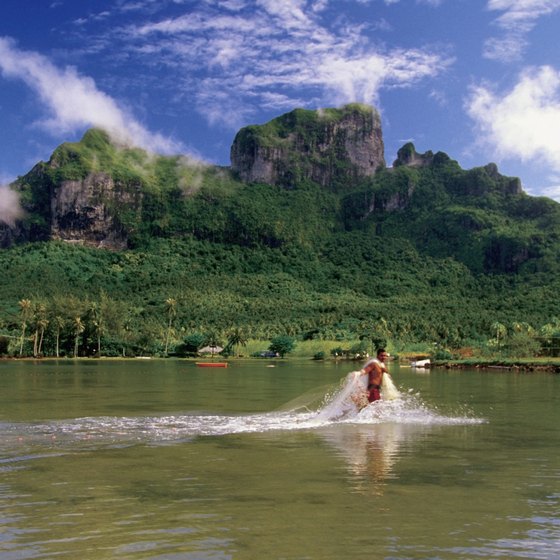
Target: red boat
pixel 211 364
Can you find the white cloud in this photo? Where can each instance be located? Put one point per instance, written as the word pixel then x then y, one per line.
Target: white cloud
pixel 10 209
pixel 522 123
pixel 521 13
pixel 506 49
pixel 428 2
pixel 439 96
pixel 518 18
pixel 291 13
pixel 319 5
pixel 281 48
pixel 234 5
pixel 74 102
pixel 551 191
pixel 278 102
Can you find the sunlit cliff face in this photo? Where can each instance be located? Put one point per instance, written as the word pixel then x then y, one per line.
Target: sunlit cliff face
pixel 326 147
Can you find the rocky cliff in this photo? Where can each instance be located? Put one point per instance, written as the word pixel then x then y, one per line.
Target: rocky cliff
pixel 90 211
pixel 78 197
pixel 331 147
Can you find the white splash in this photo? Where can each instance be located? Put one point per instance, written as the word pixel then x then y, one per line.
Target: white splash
pixel 349 400
pixel 338 408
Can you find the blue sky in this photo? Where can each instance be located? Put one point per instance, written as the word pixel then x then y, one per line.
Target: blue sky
pixel 477 79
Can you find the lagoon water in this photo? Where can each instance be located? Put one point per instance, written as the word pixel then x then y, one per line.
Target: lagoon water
pixel 163 460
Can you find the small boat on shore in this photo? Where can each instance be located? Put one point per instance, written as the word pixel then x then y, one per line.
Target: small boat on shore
pixel 420 364
pixel 211 364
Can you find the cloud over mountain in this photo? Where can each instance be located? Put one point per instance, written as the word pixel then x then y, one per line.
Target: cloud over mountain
pixel 72 101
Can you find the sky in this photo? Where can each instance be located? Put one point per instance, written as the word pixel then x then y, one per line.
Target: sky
pixel 476 79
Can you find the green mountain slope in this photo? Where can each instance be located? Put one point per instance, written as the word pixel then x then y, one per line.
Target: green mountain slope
pixel 423 251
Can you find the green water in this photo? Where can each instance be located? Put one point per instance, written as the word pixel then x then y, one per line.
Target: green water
pixel 163 460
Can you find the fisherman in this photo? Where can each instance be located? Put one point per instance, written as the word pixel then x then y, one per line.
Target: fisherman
pixel 374 369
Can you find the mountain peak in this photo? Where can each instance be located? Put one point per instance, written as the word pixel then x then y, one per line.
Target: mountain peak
pixel 331 147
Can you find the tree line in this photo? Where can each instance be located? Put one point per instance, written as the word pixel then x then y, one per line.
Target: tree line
pixel 73 327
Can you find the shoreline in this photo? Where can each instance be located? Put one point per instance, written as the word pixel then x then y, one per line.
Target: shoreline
pixel 520 365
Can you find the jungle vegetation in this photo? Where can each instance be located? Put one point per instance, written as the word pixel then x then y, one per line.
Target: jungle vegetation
pixel 433 257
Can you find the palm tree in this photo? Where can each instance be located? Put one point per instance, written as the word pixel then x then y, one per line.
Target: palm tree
pixel 41 323
pixel 212 338
pixel 500 330
pixel 59 323
pixel 98 323
pixel 524 328
pixel 25 311
pixel 236 338
pixel 78 330
pixel 171 310
pixel 550 335
pixel 126 333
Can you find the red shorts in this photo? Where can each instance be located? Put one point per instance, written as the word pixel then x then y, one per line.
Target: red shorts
pixel 374 394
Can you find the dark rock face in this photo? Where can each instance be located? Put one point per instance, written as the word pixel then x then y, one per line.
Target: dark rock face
pixel 409 157
pixel 7 236
pixel 329 147
pixel 93 211
pixel 513 184
pixel 89 211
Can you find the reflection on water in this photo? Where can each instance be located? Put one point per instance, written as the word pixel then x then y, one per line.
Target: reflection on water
pixel 370 452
